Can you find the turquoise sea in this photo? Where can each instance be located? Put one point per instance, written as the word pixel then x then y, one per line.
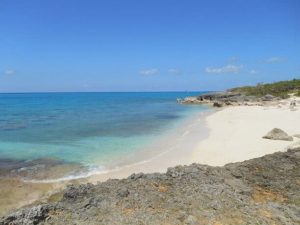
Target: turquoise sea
pixel 91 129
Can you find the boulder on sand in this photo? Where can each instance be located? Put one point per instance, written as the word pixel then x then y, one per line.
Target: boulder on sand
pixel 278 134
pixel 217 104
pixel 268 98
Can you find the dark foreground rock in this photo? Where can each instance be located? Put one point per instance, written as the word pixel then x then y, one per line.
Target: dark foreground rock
pixel 258 191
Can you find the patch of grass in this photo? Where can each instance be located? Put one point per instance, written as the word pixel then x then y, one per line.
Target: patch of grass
pixel 278 89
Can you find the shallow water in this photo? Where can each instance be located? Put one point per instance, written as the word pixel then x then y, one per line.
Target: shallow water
pixel 97 130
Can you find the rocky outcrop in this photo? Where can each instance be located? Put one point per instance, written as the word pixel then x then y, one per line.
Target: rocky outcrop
pixel 227 98
pixel 258 191
pixel 188 100
pixel 268 98
pixel 278 134
pixel 30 216
pixel 217 104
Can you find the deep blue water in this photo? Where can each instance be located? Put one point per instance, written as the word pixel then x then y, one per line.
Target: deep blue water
pixel 89 128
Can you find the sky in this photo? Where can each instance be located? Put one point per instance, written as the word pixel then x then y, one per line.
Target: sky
pixel 146 45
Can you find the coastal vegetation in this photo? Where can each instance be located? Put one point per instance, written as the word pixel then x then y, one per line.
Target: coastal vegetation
pixel 279 89
pixel 261 94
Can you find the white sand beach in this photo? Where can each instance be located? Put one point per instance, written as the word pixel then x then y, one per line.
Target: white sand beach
pixel 228 135
pixel 235 133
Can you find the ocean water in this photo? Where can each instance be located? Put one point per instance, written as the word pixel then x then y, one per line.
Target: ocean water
pixel 91 129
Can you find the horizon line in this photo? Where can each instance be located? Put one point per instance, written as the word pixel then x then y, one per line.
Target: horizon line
pixel 58 92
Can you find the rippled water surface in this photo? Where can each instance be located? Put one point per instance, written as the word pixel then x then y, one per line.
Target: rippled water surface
pixel 86 128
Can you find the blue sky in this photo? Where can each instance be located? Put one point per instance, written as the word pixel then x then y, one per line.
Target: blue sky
pixel 154 45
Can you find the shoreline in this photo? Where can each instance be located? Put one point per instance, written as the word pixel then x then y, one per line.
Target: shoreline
pixel 162 147
pixel 178 147
pixel 236 130
pixel 157 157
pixel 194 194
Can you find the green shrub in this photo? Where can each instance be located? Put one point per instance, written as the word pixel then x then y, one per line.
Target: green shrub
pixel 278 89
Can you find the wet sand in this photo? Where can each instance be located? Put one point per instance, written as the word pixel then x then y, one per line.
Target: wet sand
pixel 16 187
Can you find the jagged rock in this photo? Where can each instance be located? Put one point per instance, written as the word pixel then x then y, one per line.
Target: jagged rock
pixel 278 134
pixel 227 98
pixel 259 191
pixel 297 135
pixel 217 104
pixel 136 176
pixel 123 192
pixel 189 100
pixel 218 96
pixel 268 98
pixel 72 192
pixel 30 216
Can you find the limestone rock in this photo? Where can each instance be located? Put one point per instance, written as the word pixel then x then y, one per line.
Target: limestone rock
pixel 237 193
pixel 217 104
pixel 278 134
pixel 268 98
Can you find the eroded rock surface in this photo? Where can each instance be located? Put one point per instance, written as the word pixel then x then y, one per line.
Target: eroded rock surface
pixel 278 134
pixel 258 191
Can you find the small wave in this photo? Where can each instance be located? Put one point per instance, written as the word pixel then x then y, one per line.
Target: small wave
pixel 185 133
pixel 95 170
pixel 91 172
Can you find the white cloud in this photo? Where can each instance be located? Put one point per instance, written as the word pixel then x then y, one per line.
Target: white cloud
pixel 9 72
pixel 149 71
pixel 274 60
pixel 174 71
pixel 230 68
pixel 253 71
